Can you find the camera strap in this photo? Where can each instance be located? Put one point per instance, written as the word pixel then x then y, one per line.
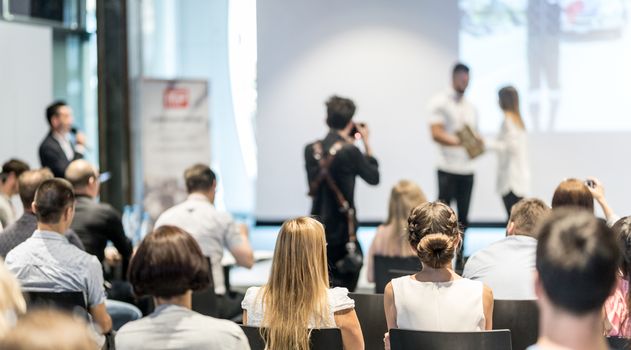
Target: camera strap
pixel 325 160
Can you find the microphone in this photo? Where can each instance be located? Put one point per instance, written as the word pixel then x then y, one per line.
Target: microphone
pixel 74 130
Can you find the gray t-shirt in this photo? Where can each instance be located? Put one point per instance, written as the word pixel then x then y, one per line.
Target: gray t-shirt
pixel 172 327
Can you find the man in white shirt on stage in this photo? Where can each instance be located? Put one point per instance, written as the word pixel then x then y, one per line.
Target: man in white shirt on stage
pixel 450 112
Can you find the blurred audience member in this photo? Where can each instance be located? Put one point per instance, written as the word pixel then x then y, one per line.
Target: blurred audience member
pixel 48 262
pixel 49 330
pixel 508 266
pixel 96 223
pixel 297 295
pixel 577 262
pixel 12 303
pixel 577 193
pixel 24 227
pixel 617 305
pixel 391 238
pixel 437 299
pixel 212 229
pixel 62 144
pixel 169 265
pixel 9 174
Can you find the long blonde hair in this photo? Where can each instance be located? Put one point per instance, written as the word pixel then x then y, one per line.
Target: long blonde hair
pixel 509 102
pixel 12 302
pixel 404 197
pixel 295 296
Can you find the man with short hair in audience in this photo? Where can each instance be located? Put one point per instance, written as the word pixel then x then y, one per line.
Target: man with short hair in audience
pixel 96 223
pixel 62 144
pixel 9 174
pixel 47 262
pixel 508 266
pixel 577 262
pixel 24 227
pixel 212 229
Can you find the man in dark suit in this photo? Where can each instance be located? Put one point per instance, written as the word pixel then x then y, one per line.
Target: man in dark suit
pixel 348 163
pixel 96 223
pixel 24 227
pixel 57 150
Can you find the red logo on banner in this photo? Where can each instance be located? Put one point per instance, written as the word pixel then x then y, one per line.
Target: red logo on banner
pixel 175 98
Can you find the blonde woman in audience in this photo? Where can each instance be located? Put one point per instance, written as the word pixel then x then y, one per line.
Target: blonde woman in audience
pixel 391 239
pixel 49 330
pixel 12 302
pixel 297 296
pixel 437 299
pixel 616 307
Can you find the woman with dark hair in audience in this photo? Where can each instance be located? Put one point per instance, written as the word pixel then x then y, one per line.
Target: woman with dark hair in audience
pixel 391 238
pixel 437 299
pixel 511 145
pixel 169 266
pixel 577 193
pixel 617 305
pixel 297 295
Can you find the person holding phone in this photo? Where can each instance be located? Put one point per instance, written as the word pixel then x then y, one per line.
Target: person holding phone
pixel 333 197
pixel 511 145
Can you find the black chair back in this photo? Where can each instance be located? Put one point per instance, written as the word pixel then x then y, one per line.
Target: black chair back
pixel 617 343
pixel 372 318
pixel 205 300
pixel 384 264
pixel 321 339
pixel 521 317
pixel 401 339
pixel 73 302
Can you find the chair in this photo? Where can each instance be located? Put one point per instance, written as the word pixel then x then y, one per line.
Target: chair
pixel 205 300
pixel 521 317
pixel 372 318
pixel 618 343
pixel 383 264
pixel 73 302
pixel 321 339
pixel 488 340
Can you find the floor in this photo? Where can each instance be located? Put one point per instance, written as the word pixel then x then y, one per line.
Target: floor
pixel 264 238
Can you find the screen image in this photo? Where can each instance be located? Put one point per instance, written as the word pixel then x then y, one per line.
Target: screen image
pixel 570 60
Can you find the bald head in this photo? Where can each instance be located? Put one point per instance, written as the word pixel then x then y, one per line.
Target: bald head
pixel 29 181
pixel 83 176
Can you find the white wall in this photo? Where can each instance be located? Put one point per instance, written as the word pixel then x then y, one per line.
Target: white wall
pixel 25 89
pixel 388 57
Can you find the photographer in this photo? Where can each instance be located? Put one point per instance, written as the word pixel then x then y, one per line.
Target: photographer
pixel 332 165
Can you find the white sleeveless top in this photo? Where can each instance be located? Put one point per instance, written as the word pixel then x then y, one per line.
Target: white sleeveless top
pixel 454 306
pixel 337 297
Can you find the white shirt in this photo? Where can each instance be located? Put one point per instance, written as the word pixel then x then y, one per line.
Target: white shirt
pixel 65 144
pixel 454 306
pixel 213 230
pixel 506 266
pixel 513 170
pixel 453 112
pixel 337 298
pixel 7 212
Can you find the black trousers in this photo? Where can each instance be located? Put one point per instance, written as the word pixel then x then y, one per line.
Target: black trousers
pixel 456 187
pixel 509 200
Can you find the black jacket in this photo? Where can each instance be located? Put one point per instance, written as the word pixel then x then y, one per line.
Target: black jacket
pixel 52 156
pixel 349 162
pixel 97 223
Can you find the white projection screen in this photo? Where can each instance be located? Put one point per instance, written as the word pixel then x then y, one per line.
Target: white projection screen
pixel 391 57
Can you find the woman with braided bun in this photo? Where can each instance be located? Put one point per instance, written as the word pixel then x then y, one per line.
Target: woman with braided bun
pixel 437 299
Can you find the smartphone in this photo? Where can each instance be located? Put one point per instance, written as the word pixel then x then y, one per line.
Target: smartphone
pixel 354 133
pixel 590 183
